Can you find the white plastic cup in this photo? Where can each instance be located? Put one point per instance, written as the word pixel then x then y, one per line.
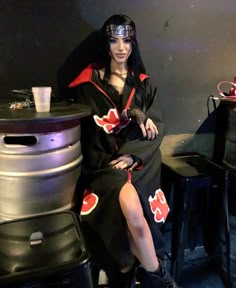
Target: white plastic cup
pixel 42 98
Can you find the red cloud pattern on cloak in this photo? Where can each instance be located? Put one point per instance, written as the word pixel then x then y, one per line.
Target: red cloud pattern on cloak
pixel 159 206
pixel 111 123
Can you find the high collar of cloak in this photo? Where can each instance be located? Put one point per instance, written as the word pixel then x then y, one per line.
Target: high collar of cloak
pixel 86 76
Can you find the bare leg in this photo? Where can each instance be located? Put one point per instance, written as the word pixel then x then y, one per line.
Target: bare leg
pixel 140 235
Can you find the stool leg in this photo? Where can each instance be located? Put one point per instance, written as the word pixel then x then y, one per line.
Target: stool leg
pixel 175 236
pixel 224 189
pixel 180 229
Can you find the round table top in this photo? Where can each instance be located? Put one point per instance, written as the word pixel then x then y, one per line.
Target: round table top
pixel 59 111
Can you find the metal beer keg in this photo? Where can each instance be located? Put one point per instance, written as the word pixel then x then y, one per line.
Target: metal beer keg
pixel 40 160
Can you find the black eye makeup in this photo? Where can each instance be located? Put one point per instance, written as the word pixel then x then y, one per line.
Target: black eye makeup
pixel 127 40
pixel 113 40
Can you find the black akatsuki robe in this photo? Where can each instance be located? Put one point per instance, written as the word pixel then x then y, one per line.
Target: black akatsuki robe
pixel 104 137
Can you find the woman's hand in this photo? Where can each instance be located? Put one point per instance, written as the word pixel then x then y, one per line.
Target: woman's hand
pixel 149 129
pixel 125 161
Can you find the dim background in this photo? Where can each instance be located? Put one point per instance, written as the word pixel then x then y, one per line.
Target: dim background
pixel 188 46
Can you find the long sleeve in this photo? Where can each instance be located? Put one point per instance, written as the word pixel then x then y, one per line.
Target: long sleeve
pixel 139 146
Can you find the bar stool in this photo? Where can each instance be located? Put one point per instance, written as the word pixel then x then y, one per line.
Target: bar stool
pixel 186 179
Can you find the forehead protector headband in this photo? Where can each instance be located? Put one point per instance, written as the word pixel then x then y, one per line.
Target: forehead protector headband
pixel 120 30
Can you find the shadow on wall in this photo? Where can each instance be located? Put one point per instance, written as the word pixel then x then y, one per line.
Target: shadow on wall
pixel 90 50
pixel 36 38
pixel 209 139
pixel 219 124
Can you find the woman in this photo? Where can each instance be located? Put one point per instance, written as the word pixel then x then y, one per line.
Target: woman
pixel 123 207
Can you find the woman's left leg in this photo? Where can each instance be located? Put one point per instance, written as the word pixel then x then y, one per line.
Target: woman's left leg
pixel 141 240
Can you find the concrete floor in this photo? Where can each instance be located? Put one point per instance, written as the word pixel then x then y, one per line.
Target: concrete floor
pixel 199 271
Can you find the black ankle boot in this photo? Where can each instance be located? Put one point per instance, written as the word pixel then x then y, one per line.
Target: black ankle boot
pixel 158 279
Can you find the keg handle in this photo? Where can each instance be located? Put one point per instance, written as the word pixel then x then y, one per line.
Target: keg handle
pixel 36 238
pixel 25 140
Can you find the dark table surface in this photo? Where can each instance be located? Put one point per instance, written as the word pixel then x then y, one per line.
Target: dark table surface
pixel 60 111
pixel 62 116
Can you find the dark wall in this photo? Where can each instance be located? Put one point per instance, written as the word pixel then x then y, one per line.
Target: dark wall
pixel 188 46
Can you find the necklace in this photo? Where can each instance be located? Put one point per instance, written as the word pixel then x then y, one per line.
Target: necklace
pixel 119 74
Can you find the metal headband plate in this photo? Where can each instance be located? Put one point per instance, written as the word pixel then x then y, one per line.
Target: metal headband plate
pixel 120 30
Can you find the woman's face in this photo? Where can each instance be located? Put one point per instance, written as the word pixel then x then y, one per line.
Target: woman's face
pixel 120 49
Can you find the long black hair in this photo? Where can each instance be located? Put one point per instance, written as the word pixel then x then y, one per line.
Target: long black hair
pixel 135 63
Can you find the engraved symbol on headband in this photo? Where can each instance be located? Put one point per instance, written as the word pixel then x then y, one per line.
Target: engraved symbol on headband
pixel 120 30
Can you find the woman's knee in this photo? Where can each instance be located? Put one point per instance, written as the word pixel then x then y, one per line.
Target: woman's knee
pixel 131 206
